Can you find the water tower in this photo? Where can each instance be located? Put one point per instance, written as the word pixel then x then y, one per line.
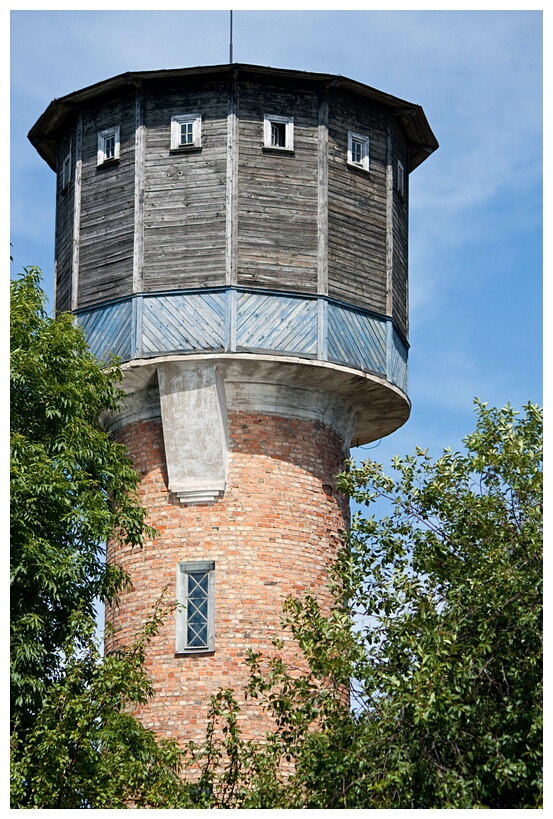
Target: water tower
pixel 238 236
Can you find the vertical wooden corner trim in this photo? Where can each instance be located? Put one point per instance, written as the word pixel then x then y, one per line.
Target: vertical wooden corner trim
pixel 322 194
pixel 136 326
pixel 231 298
pixel 322 329
pixel 139 170
pixel 389 221
pixel 77 214
pixel 389 350
pixel 55 284
pixel 406 183
pixel 231 275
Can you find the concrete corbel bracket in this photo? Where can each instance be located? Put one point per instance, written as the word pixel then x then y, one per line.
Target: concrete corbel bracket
pixel 194 417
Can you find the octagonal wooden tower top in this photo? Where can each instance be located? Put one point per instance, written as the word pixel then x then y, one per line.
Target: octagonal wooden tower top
pixel 241 212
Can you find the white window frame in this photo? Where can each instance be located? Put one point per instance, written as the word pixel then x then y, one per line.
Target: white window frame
pixel 400 178
pixel 288 122
pixel 65 172
pixel 364 141
pixel 186 119
pixel 184 569
pixel 103 136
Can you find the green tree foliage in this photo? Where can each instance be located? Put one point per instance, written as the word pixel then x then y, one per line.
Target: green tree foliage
pixel 72 489
pixel 445 649
pixel 422 688
pixel 449 586
pixel 74 741
pixel 85 749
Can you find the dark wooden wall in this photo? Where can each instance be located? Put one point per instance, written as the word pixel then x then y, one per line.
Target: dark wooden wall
pixel 185 193
pixel 284 212
pixel 400 226
pixel 277 191
pixel 356 206
pixel 107 205
pixel 64 223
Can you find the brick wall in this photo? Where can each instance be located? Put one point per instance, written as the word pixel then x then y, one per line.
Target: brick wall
pixel 274 533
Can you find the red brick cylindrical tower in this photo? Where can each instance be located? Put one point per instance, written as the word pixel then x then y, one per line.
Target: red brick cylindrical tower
pixel 273 534
pixel 237 235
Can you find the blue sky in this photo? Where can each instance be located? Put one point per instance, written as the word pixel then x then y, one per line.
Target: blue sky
pixel 476 204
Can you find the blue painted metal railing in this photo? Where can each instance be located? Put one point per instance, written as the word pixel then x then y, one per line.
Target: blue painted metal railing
pixel 239 320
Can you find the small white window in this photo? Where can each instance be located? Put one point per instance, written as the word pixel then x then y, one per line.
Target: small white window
pixel 108 145
pixel 400 178
pixel 196 606
pixel 278 132
pixel 358 150
pixel 186 131
pixel 65 173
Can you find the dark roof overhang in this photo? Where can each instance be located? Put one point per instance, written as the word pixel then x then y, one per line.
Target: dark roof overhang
pixel 410 117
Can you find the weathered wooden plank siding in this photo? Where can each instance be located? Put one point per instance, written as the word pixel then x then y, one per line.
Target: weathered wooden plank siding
pixel 276 323
pixel 356 339
pixel 64 225
pixel 107 205
pixel 288 208
pixel 108 330
pixel 185 192
pixel 277 192
pixel 356 206
pixel 400 307
pixel 397 365
pixel 188 323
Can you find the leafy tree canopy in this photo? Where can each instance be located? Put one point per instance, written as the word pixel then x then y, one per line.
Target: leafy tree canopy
pixel 72 489
pixel 424 684
pixel 449 589
pixel 445 646
pixel 86 749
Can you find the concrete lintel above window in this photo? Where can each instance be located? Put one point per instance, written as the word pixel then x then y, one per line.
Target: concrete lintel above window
pixel 358 150
pixel 278 132
pixel 186 131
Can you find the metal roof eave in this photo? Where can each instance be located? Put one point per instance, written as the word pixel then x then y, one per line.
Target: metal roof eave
pixel 410 117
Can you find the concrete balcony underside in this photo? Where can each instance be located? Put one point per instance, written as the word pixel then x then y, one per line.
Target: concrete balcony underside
pixel 274 353
pixel 236 320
